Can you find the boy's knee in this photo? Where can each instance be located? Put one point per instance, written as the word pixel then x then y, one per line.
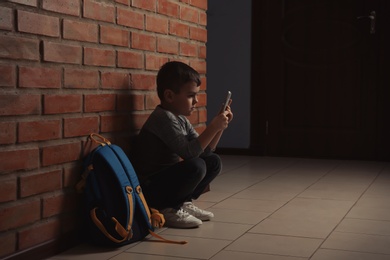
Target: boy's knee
pixel 213 162
pixel 197 167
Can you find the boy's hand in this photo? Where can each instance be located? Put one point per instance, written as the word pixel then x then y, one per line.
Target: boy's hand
pixel 222 120
pixel 219 122
pixel 229 113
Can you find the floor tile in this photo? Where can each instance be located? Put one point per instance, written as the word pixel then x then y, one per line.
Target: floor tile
pixel 280 245
pixel 378 189
pixel 305 218
pixel 289 183
pixel 143 256
pixel 326 254
pixel 358 243
pixel 249 205
pixel 335 190
pixel 198 248
pixel 238 216
pixel 87 252
pixel 230 184
pixel 233 255
pixel 214 196
pixel 266 194
pixel 374 202
pixel 231 162
pixel 211 229
pixel 369 213
pixel 362 226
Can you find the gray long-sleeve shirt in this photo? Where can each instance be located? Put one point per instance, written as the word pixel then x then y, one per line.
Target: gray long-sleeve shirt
pixel 163 140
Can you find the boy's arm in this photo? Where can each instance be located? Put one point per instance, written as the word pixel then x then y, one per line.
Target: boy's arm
pixel 218 124
pixel 211 135
pixel 215 141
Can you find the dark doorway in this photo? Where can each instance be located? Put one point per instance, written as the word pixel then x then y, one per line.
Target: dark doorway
pixel 319 79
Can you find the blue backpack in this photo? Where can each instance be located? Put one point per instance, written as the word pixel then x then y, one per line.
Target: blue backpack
pixel 115 208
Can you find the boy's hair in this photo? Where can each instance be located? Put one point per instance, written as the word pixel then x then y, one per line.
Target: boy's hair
pixel 173 75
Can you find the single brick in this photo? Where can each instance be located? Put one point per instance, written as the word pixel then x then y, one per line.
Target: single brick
pixel 154 62
pixel 22 159
pixel 37 77
pixel 62 53
pixel 167 45
pixel 199 34
pixel 71 7
pixel 38 24
pixel 8 188
pixel 130 18
pixel 144 4
pixel 188 49
pixel 7 132
pixel 39 130
pixel 189 14
pixel 80 31
pixel 179 29
pixel 28 104
pixel 143 41
pixel 6 19
pixel 114 36
pixel 130 102
pixel 156 24
pixel 168 8
pixel 143 81
pixel 99 11
pixel 130 59
pixel 58 104
pixel 81 126
pixel 22 213
pixel 99 57
pixel 39 233
pixel 57 154
pixel 7 75
pixel 19 48
pixel 40 183
pixel 78 78
pixel 99 102
pixel 115 80
pixel 25 2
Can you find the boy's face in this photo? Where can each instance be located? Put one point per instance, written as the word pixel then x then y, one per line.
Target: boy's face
pixel 183 103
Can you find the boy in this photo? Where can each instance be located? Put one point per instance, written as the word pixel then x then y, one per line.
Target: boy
pixel 174 163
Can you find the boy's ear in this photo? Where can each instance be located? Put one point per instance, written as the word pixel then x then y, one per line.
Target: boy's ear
pixel 168 95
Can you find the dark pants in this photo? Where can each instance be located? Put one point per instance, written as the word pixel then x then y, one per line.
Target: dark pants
pixel 182 182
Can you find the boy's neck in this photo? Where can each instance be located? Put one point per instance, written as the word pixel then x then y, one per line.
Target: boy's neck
pixel 166 106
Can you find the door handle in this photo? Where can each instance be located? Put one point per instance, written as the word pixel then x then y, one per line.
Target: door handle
pixel 372 18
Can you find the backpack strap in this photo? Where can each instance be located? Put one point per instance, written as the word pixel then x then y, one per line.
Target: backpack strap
pixel 126 234
pixel 99 139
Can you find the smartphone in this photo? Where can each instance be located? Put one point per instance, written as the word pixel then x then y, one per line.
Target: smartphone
pixel 228 96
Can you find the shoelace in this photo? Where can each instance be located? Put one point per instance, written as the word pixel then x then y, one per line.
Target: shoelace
pixel 182 213
pixel 194 208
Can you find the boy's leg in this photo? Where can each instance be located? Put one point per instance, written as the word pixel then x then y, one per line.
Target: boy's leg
pixel 213 168
pixel 171 187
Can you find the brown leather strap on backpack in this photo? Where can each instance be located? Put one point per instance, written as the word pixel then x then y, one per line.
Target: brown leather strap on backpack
pixel 99 139
pixel 125 233
pixel 156 219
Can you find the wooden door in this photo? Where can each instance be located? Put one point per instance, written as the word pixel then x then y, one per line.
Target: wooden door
pixel 315 78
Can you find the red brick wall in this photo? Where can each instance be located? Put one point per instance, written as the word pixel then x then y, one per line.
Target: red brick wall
pixel 69 68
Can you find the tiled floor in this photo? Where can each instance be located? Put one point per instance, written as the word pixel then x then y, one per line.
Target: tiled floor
pixel 279 208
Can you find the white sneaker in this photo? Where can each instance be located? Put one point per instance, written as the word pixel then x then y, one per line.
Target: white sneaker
pixel 201 214
pixel 179 218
